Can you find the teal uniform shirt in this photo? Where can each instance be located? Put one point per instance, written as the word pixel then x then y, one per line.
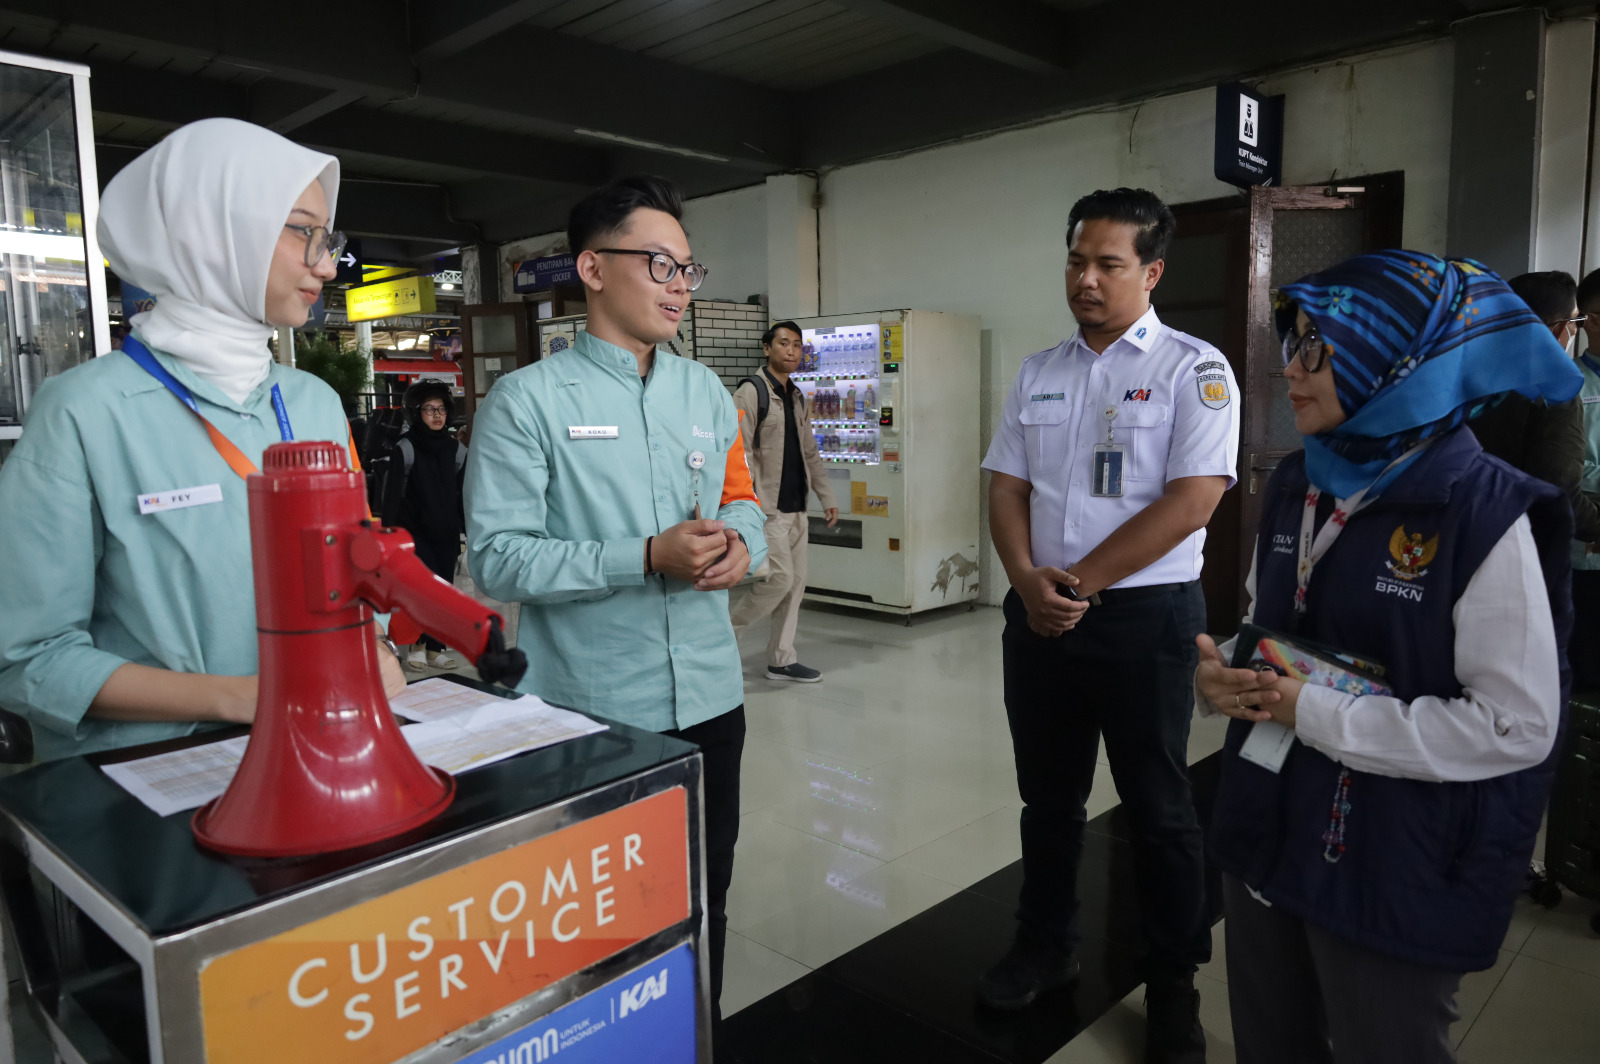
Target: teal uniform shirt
pixel 1589 397
pixel 573 463
pixel 88 583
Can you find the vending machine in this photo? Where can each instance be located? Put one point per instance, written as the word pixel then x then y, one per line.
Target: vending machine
pixel 894 405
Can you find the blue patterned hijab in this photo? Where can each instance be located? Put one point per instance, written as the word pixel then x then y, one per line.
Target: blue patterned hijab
pixel 1418 345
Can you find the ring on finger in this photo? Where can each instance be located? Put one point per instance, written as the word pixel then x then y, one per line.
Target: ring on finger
pixel 1238 702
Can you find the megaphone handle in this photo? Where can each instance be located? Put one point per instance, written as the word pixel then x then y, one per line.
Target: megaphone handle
pixel 497 664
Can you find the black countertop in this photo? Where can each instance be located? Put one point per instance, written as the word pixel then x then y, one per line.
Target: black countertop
pixel 154 870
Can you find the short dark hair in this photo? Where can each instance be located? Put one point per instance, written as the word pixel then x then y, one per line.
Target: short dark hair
pixel 1550 294
pixel 772 333
pixel 606 210
pixel 1589 290
pixel 1152 220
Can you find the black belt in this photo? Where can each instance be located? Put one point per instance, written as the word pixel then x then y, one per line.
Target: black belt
pixel 1129 594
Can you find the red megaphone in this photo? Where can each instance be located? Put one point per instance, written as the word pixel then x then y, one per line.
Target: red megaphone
pixel 326 768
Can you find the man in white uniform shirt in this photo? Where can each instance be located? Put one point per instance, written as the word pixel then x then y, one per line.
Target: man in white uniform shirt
pixel 1113 450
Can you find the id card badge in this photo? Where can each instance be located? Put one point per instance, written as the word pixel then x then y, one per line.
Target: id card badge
pixel 1109 460
pixel 1267 745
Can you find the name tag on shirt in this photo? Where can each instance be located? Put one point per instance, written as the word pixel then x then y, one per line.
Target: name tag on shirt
pixel 591 432
pixel 180 498
pixel 1267 745
pixel 1591 399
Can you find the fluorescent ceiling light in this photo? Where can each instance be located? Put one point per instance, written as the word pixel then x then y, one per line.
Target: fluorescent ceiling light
pixel 635 142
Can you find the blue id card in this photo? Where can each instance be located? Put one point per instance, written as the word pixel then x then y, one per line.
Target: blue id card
pixel 1109 459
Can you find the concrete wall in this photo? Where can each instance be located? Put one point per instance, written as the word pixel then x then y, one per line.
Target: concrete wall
pixel 728 233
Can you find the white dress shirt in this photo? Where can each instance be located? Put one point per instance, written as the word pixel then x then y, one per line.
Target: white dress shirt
pixel 1177 412
pixel 1510 706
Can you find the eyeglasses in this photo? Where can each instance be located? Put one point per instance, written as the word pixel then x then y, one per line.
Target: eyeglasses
pixel 320 241
pixel 435 408
pixel 1309 347
pixel 1579 320
pixel 664 267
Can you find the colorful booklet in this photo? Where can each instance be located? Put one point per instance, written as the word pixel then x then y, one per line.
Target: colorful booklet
pixel 1302 659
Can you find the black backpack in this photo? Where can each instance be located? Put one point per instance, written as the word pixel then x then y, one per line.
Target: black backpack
pixel 763 404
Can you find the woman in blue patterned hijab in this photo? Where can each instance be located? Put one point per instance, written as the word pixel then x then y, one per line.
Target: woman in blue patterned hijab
pixel 1418 345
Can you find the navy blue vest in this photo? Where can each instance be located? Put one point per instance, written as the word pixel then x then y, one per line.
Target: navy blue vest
pixel 1430 870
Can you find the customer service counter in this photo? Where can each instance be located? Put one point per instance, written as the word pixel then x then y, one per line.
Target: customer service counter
pixel 555 908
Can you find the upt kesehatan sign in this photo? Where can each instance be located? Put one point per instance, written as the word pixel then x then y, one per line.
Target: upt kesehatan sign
pixel 389 976
pixel 1249 137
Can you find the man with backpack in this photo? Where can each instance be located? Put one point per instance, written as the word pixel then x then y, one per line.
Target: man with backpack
pixel 786 465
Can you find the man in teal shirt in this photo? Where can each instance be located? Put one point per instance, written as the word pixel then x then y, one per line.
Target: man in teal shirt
pixel 1584 650
pixel 607 493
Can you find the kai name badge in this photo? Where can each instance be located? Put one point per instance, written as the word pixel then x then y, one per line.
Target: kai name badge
pixel 386 977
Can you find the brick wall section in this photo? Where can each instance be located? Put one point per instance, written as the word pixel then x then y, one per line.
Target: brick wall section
pixel 726 337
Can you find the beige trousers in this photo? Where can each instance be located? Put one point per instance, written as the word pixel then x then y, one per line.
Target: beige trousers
pixel 780 593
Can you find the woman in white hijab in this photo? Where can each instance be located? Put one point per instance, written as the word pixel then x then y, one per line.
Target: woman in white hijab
pixel 125 569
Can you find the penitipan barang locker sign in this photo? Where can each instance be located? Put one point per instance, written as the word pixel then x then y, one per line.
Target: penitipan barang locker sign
pixel 389 976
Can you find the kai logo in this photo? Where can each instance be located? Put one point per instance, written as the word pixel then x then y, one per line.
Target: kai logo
pixel 1140 335
pixel 1136 395
pixel 1411 555
pixel 641 994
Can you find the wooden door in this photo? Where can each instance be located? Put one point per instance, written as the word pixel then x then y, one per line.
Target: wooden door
pixel 1294 231
pixel 1202 293
pixel 496 338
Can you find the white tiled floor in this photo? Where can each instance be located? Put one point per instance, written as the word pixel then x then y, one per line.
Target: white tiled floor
pixel 882 790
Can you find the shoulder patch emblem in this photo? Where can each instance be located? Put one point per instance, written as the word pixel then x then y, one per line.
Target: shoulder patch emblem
pixel 1213 385
pixel 1411 555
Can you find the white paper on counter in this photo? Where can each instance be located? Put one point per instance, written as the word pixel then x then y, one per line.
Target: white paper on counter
pixel 458 742
pixel 435 699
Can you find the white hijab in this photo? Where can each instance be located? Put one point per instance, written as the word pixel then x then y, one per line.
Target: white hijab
pixel 194 221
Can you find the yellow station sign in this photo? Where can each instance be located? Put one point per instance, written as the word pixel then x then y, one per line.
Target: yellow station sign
pixel 405 295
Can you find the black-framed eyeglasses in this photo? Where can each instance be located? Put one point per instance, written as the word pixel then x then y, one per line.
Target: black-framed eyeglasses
pixel 1309 347
pixel 1579 320
pixel 663 267
pixel 320 241
pixel 435 408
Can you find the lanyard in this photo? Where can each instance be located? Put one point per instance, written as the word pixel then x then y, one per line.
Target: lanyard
pixel 1312 548
pixel 225 447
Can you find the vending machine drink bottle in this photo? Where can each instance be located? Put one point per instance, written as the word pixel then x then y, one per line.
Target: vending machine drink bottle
pixel 884 389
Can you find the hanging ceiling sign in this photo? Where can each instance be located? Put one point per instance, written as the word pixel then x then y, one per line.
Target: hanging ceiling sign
pixel 405 295
pixel 540 275
pixel 349 264
pixel 1249 137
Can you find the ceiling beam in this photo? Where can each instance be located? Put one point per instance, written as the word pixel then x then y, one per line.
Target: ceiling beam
pixel 401 211
pixel 930 99
pixel 606 95
pixel 380 132
pixel 444 30
pixel 1018 33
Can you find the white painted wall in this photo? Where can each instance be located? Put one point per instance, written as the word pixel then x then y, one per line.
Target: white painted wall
pixel 1564 145
pixel 728 232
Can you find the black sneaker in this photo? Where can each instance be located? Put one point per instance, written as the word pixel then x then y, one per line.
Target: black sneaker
pixel 1172 1023
pixel 1029 968
pixel 796 672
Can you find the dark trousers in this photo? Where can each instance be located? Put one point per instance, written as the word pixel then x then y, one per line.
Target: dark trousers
pixel 440 556
pixel 721 743
pixel 1584 650
pixel 1301 995
pixel 1126 673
